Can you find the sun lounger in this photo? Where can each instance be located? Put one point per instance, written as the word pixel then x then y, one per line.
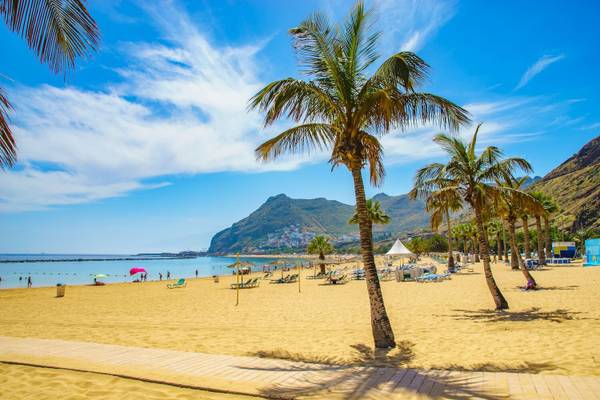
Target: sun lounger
pixel 252 283
pixel 179 284
pixel 337 280
pixel 241 284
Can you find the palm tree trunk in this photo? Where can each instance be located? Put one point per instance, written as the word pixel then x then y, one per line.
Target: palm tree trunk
pixel 476 249
pixel 514 250
pixel 526 236
pixel 499 300
pixel 519 261
pixel 547 237
pixel 450 256
pixel 499 242
pixel 504 243
pixel 380 323
pixel 322 265
pixel 540 240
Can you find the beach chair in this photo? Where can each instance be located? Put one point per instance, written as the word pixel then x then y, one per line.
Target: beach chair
pixel 241 284
pixel 252 283
pixel 179 284
pixel 280 280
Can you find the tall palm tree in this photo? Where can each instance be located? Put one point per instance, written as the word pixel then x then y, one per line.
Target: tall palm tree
pixel 340 108
pixel 473 177
pixel 460 233
pixel 58 32
pixel 539 196
pixel 515 203
pixel 440 204
pixel 550 207
pixel 320 245
pixel 376 214
pixel 495 228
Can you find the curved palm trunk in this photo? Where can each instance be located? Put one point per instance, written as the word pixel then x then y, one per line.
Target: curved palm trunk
pixel 540 240
pixel 520 263
pixel 514 249
pixel 526 236
pixel 380 323
pixel 450 256
pixel 322 265
pixel 547 237
pixel 501 303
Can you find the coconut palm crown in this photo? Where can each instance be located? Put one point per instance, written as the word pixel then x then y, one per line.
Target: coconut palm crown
pixel 376 214
pixel 343 107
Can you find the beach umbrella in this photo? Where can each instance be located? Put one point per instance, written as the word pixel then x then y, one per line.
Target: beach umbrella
pixel 282 262
pixel 237 264
pixel 136 270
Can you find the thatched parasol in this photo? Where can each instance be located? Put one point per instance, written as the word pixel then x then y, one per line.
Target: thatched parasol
pixel 237 264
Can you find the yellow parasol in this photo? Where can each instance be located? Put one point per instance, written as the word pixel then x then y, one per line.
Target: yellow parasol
pixel 237 264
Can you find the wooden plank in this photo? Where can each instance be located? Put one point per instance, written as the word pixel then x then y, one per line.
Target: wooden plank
pixel 569 388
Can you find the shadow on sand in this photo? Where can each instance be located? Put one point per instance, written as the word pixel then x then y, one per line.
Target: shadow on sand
pixel 532 314
pixel 370 372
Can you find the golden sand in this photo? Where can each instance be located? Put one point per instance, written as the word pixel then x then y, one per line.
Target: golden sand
pixel 449 324
pixel 23 382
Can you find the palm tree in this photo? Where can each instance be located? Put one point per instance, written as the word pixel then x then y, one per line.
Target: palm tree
pixel 460 233
pixel 58 32
pixel 440 204
pixel 340 108
pixel 495 228
pixel 376 214
pixel 515 203
pixel 550 207
pixel 471 230
pixel 320 245
pixel 473 177
pixel 539 196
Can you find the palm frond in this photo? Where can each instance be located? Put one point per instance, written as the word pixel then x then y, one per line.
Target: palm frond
pixel 8 147
pixel 58 31
pixel 295 99
pixel 403 69
pixel 301 138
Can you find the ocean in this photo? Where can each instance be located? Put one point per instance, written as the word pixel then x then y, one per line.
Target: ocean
pixel 71 269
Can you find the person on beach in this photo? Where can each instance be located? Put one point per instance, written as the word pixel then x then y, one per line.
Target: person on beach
pixel 29 281
pixel 196 273
pixel 168 275
pixel 160 276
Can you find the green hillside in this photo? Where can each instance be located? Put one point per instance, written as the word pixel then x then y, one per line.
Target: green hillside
pixel 283 223
pixel 575 185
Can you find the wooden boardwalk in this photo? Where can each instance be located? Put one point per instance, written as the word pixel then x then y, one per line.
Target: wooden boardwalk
pixel 286 379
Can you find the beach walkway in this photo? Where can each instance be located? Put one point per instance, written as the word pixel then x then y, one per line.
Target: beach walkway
pixel 286 379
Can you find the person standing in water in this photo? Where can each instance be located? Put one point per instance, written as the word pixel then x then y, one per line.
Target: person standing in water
pixel 160 276
pixel 168 275
pixel 29 281
pixel 196 273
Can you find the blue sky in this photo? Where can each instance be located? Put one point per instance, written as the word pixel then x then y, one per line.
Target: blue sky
pixel 137 153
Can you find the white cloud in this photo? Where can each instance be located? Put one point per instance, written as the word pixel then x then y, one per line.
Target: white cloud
pixel 410 23
pixel 180 109
pixel 540 65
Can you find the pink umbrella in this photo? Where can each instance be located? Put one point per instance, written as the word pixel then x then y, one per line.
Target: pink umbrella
pixel 136 270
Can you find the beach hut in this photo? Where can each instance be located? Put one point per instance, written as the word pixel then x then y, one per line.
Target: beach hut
pixel 563 249
pixel 592 253
pixel 399 250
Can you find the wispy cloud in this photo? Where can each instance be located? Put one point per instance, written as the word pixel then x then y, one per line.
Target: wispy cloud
pixel 408 24
pixel 595 125
pixel 180 108
pixel 540 65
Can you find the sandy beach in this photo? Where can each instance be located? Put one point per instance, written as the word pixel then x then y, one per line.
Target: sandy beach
pixel 445 325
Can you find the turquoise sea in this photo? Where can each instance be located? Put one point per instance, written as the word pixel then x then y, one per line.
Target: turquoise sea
pixel 70 269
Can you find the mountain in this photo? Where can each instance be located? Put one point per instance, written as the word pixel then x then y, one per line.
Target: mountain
pixel 575 185
pixel 283 223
